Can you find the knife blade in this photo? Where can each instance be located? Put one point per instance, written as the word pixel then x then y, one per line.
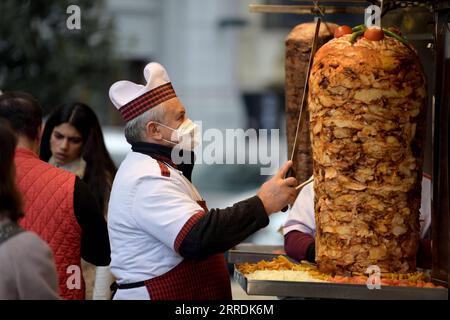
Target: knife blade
pixel 300 119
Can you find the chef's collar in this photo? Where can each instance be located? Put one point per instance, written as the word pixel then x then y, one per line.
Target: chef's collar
pixel 164 154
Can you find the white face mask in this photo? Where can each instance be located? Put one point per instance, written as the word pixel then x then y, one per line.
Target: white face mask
pixel 185 136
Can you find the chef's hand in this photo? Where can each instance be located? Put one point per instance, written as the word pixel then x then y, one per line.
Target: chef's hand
pixel 278 192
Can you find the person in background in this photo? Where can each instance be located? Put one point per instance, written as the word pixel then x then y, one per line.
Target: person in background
pixel 72 140
pixel 59 206
pixel 165 243
pixel 26 262
pixel 300 228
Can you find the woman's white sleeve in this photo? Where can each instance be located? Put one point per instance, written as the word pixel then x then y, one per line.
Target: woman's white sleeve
pixel 103 280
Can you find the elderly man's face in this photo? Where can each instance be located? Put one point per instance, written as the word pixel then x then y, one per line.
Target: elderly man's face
pixel 174 117
pixel 175 113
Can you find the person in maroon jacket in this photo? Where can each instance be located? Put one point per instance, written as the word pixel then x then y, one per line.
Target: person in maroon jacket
pixel 59 206
pixel 300 228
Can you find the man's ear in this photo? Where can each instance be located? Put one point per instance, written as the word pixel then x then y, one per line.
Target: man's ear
pixel 153 131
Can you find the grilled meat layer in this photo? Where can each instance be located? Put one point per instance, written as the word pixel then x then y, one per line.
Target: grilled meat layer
pixel 367 116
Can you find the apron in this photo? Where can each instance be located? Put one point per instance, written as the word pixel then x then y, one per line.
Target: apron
pixel 193 280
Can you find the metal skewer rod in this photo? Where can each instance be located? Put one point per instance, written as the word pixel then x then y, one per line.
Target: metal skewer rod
pixel 294 9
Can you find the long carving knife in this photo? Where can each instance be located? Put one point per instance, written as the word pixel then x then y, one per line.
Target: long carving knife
pixel 300 120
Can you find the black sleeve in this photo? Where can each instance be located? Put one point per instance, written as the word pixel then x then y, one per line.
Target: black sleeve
pixel 221 229
pixel 94 232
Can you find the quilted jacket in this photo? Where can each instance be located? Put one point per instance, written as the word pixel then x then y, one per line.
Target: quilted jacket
pixel 49 211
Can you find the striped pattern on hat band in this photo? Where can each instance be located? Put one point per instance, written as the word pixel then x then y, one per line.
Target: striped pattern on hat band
pixel 148 100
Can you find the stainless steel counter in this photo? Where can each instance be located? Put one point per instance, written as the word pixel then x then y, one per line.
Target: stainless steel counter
pixel 251 253
pixel 325 290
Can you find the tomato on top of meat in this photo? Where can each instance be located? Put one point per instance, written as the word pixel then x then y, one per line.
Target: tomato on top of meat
pixel 374 34
pixel 342 30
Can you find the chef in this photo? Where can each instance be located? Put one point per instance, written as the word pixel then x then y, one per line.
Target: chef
pixel 165 243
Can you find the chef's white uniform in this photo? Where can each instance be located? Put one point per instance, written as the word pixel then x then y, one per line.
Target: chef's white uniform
pixel 147 210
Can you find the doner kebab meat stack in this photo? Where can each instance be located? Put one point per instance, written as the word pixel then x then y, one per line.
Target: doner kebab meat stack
pixel 367 100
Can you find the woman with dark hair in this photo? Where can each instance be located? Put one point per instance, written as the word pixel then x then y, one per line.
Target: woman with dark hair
pixel 26 262
pixel 72 140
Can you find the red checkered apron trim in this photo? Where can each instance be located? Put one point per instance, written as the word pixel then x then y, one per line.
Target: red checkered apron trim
pixel 165 172
pixel 186 228
pixel 193 280
pixel 147 101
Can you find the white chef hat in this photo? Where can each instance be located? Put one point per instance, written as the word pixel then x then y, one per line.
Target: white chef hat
pixel 133 99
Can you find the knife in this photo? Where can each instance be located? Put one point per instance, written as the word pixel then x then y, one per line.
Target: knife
pixel 300 120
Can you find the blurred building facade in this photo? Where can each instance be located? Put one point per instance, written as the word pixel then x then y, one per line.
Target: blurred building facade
pixel 214 51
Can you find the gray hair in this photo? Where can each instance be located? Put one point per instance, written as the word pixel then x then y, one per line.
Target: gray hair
pixel 135 129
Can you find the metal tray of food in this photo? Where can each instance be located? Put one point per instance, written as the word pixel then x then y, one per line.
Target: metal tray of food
pixel 251 253
pixel 327 290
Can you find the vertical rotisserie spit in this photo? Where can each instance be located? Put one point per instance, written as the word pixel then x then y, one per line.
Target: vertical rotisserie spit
pixel 367 103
